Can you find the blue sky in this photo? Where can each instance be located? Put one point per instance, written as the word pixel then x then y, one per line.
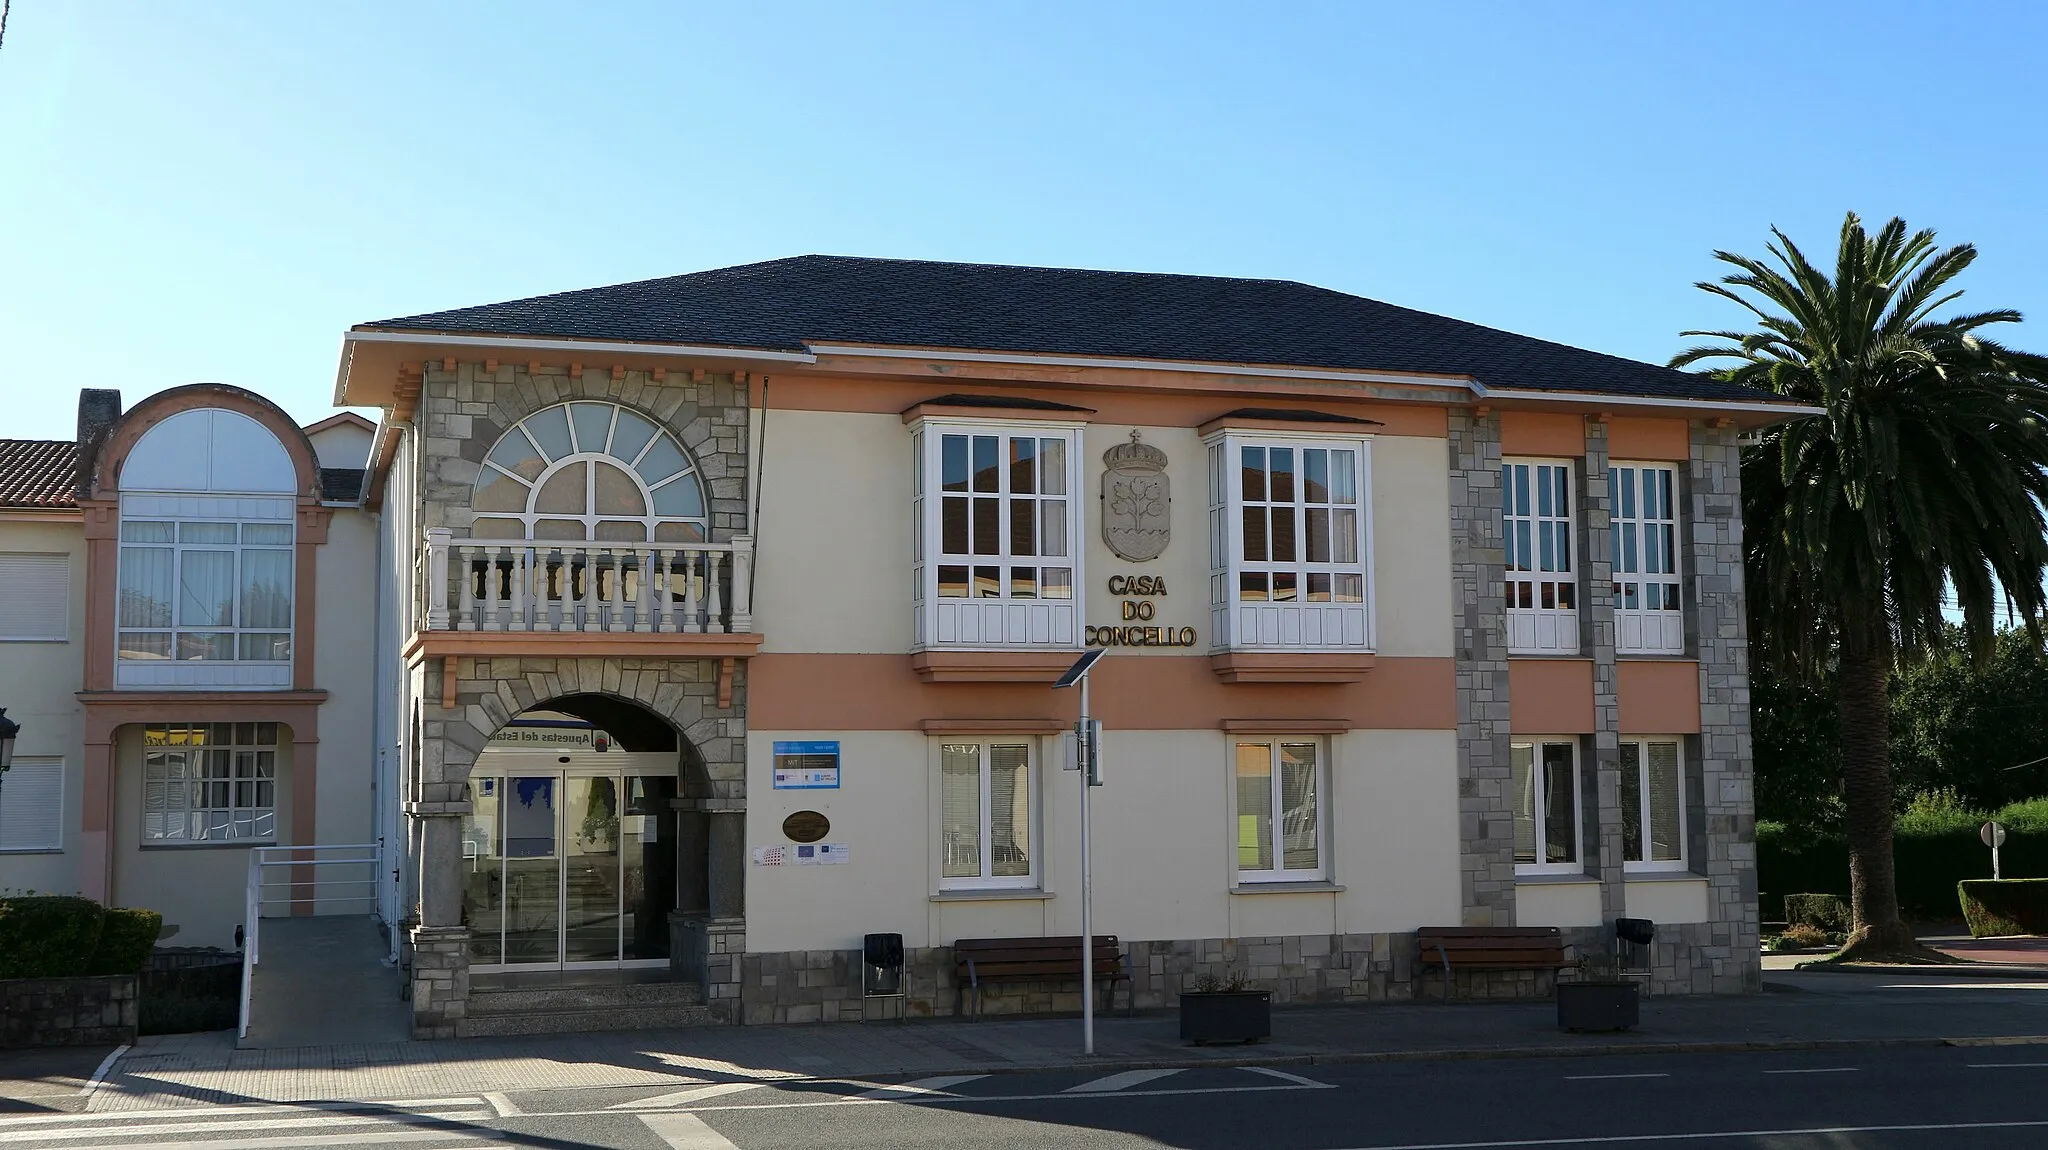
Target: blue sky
pixel 214 191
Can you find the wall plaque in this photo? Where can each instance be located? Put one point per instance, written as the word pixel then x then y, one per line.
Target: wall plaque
pixel 1135 498
pixel 806 827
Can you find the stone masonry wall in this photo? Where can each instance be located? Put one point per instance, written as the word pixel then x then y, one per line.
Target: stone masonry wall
pixel 1721 955
pixel 89 1011
pixel 1479 622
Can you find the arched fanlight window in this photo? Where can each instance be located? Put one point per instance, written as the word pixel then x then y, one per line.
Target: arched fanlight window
pixel 587 470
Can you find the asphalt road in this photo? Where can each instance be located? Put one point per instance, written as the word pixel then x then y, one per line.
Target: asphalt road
pixel 1979 1096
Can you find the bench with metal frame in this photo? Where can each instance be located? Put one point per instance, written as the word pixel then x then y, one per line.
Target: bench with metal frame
pixel 977 961
pixel 1491 948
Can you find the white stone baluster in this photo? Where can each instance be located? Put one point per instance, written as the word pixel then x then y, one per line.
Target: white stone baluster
pixel 693 623
pixel 742 583
pixel 437 578
pixel 488 610
pixel 643 604
pixel 664 591
pixel 522 571
pixel 613 591
pixel 465 617
pixel 588 600
pixel 714 614
pixel 554 590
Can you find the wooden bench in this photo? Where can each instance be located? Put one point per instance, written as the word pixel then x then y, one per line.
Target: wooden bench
pixel 1491 948
pixel 978 961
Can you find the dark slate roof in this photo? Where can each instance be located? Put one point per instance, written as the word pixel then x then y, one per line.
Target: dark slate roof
pixel 789 303
pixel 38 473
pixel 341 484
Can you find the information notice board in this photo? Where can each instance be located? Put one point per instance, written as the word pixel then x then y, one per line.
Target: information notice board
pixel 809 766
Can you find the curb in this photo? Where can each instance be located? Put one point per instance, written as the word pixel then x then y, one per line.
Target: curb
pixel 2011 971
pixel 1487 1054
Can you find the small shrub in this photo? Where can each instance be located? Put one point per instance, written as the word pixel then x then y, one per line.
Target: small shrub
pixel 1822 912
pixel 48 936
pixel 1800 937
pixel 126 938
pixel 1995 907
pixel 1938 812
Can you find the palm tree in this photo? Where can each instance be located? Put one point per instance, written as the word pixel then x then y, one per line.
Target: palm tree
pixel 1923 476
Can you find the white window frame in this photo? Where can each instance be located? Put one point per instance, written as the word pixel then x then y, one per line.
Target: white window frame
pixel 24 768
pixel 1297 624
pixel 1539 837
pixel 198 772
pixel 1641 816
pixel 1646 550
pixel 55 617
pixel 1005 620
pixel 181 511
pixel 987 879
pixel 1280 872
pixel 1538 629
pixel 651 526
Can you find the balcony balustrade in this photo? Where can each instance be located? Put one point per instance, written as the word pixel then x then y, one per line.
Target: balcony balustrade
pixel 547 585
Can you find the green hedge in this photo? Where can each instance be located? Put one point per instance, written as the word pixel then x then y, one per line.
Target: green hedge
pixel 63 936
pixel 1823 912
pixel 126 938
pixel 1930 856
pixel 1995 907
pixel 48 936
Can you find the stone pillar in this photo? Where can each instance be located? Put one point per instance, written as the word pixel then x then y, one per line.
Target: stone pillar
pixel 1726 960
pixel 1601 800
pixel 726 858
pixel 1486 826
pixel 440 981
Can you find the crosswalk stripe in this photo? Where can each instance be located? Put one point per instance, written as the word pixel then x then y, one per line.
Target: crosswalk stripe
pixel 409 1105
pixel 1286 1077
pixel 686 1132
pixel 920 1087
pixel 154 1129
pixel 469 1137
pixel 1120 1081
pixel 685 1097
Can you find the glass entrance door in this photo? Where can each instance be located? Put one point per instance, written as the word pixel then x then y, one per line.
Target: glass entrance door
pixel 568 868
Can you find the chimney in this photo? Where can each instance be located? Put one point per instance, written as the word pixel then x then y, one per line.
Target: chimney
pixel 99 409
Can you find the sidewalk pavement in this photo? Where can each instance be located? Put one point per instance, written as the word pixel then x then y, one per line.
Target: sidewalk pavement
pixel 1798 1011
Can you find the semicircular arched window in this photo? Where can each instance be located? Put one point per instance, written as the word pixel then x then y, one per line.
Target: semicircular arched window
pixel 589 470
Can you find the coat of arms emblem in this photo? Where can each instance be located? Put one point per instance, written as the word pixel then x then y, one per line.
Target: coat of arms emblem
pixel 1135 497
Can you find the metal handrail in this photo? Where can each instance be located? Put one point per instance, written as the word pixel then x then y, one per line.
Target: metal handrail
pixel 256 895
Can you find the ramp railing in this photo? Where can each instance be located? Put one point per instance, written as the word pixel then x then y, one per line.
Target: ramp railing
pixel 302 880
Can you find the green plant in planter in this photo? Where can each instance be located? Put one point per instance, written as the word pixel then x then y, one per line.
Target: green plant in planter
pixel 1230 982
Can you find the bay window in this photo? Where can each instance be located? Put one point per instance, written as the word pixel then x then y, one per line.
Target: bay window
pixel 1647 618
pixel 997 547
pixel 1542 587
pixel 1289 537
pixel 205 591
pixel 1652 804
pixel 1279 790
pixel 986 814
pixel 1545 776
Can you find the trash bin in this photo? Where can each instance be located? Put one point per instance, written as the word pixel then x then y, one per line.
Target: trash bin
pixel 882 969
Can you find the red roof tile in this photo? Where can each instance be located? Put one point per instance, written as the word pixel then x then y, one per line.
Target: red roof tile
pixel 38 473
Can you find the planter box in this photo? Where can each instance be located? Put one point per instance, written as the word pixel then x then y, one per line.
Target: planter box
pixel 1226 1016
pixel 86 1011
pixel 1598 1006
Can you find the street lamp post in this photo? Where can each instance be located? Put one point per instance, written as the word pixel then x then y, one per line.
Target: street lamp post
pixel 1088 752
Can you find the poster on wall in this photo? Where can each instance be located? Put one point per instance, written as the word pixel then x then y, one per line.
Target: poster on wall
pixel 811 766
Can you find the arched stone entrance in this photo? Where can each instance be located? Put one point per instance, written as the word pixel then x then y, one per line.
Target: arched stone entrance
pixel 672 717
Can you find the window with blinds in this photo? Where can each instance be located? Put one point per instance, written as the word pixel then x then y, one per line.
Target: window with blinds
pixel 1647 619
pixel 985 813
pixel 1537 533
pixel 32 805
pixel 1652 804
pixel 35 598
pixel 1279 811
